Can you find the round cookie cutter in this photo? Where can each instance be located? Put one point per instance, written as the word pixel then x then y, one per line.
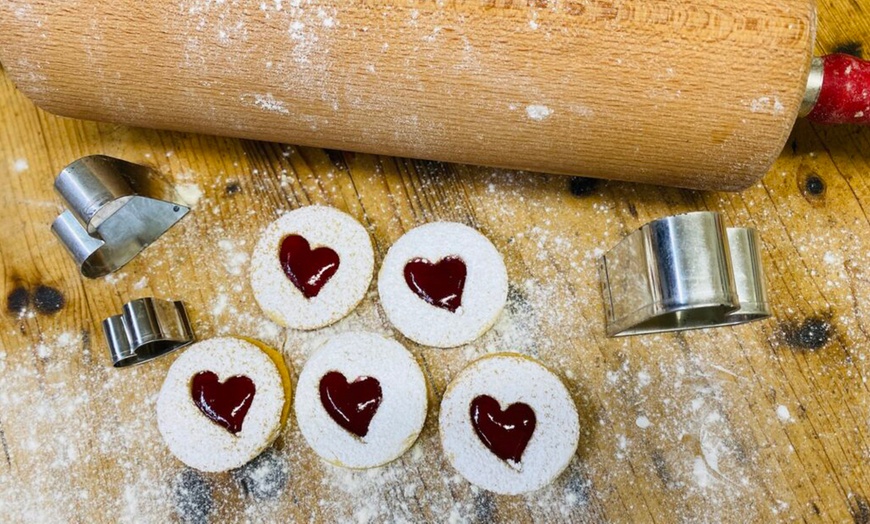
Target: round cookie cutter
pixel 683 272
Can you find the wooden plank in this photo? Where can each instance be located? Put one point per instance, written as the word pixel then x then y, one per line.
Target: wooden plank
pixel 761 423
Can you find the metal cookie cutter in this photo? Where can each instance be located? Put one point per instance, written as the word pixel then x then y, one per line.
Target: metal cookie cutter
pixel 683 272
pixel 147 329
pixel 109 220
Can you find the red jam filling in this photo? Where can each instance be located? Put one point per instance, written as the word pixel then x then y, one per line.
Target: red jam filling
pixel 225 403
pixel 308 269
pixel 439 284
pixel 506 433
pixel 351 405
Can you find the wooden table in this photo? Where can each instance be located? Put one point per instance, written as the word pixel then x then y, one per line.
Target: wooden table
pixel 764 422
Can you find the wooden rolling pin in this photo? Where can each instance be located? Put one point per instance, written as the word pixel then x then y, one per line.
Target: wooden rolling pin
pixel 691 93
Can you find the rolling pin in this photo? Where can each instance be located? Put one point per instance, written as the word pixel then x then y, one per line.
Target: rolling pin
pixel 690 93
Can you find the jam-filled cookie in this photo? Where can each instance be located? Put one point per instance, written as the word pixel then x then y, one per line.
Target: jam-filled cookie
pixel 508 424
pixel 443 284
pixel 223 402
pixel 311 267
pixel 361 400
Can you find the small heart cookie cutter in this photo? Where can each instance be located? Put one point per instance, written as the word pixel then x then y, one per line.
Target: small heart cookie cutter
pixel 683 272
pixel 116 209
pixel 148 328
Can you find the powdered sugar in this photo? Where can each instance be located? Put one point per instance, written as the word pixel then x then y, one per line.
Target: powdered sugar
pixel 484 294
pixel 510 379
pixel 196 440
pixel 399 417
pixel 321 226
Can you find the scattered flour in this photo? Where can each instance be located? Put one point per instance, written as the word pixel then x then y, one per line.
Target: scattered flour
pixel 766 104
pixel 833 259
pixel 20 165
pixel 643 379
pixel 696 457
pixel 220 305
pixel 234 256
pixel 190 193
pixel 43 351
pixel 266 102
pixel 538 113
pixel 703 477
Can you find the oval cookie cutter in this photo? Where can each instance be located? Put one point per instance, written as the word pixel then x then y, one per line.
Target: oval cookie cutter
pixel 116 209
pixel 683 272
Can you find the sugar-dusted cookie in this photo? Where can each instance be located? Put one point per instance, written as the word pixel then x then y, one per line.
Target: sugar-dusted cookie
pixel 223 402
pixel 311 267
pixel 443 284
pixel 508 424
pixel 361 400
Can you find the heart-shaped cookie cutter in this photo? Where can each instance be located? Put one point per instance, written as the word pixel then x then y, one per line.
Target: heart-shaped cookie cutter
pixel 116 209
pixel 148 328
pixel 683 272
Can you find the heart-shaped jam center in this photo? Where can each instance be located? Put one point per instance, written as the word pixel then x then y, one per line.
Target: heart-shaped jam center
pixel 308 269
pixel 440 284
pixel 225 403
pixel 506 433
pixel 351 405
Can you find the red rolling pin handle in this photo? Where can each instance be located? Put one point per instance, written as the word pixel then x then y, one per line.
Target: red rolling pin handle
pixel 844 97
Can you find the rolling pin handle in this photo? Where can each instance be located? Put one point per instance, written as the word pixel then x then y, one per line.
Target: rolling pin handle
pixel 838 91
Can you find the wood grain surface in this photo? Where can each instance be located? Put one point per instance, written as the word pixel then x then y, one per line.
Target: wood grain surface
pixel 760 423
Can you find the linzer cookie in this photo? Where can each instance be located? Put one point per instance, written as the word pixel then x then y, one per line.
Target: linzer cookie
pixel 443 284
pixel 508 424
pixel 361 400
pixel 311 267
pixel 223 402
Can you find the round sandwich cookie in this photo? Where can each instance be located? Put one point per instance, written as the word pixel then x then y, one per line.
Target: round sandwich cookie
pixel 361 400
pixel 223 402
pixel 443 284
pixel 311 267
pixel 508 424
